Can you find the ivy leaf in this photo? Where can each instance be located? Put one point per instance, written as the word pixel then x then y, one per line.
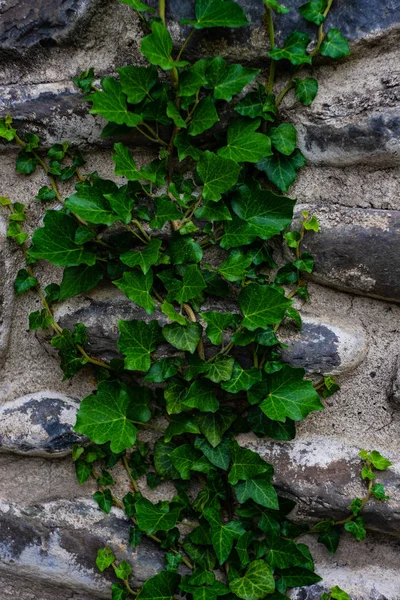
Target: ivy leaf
pixel 184 458
pixel 262 306
pixel 104 417
pixel 104 500
pixel 278 8
pixel 220 370
pixel 217 174
pixel 6 132
pixel 137 287
pixel 185 148
pixel 219 456
pixel 297 577
pixel 294 49
pixel 290 396
pixel 306 90
pixel 242 380
pixel 335 45
pixel 174 393
pixel 200 395
pixel 24 282
pixel 155 517
pixel 356 528
pixel 165 210
pixel 232 79
pixel 180 424
pixel 258 489
pixel 111 104
pixel 136 341
pixel 163 369
pixel 213 426
pixel 162 461
pixel 237 233
pixel 262 426
pixel 157 47
pixel 378 461
pixel 26 162
pixel 282 170
pixel 217 13
pixel 139 6
pixel 125 164
pixel 136 82
pixel 284 138
pixel 213 212
pixel 169 311
pixel 105 558
pixel 191 286
pixel 183 337
pixel 313 11
pixel 246 464
pixel 55 242
pixel 184 250
pixel 216 323
pixel 222 536
pixel 283 553
pixel 90 204
pixel 205 116
pixel 83 471
pixel 123 570
pixel 338 594
pixel 77 280
pixel 175 115
pixel 244 145
pixel 160 587
pixel 258 581
pixel 144 259
pixel 266 213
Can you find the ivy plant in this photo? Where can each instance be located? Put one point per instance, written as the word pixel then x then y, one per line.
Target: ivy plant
pixel 192 228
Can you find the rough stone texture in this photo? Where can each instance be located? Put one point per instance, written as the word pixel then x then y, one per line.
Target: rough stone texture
pixel 39 425
pixel 6 293
pixel 357 250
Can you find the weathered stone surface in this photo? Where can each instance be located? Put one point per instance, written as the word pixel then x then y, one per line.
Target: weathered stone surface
pixel 321 347
pixel 39 424
pixel 323 475
pixel 394 393
pixel 57 543
pixel 357 251
pixel 6 292
pixel 24 23
pixel 325 347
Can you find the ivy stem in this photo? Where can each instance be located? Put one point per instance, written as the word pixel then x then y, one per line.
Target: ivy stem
pixel 142 231
pixel 133 232
pixel 363 503
pixel 271 35
pixel 321 35
pixel 129 471
pixel 181 51
pixel 125 582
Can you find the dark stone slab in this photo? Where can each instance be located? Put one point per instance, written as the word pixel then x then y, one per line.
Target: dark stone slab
pixel 39 424
pixel 357 250
pixel 25 23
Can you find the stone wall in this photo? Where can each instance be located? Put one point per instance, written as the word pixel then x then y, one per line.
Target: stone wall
pixel 50 528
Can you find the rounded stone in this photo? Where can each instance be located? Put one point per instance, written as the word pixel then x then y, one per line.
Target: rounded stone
pixel 39 424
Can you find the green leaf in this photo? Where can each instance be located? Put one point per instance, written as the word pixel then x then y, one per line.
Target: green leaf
pixel 242 379
pixel 125 164
pixel 330 539
pixel 104 500
pixel 378 490
pixel 213 212
pixel 278 8
pixel 306 90
pixel 55 242
pixel 283 138
pixel 282 170
pixel 137 287
pixel 356 528
pixel 378 461
pixel 313 11
pixel 231 80
pixel 294 49
pixel 216 323
pixel 217 13
pixel 163 369
pixel 283 553
pixel 262 306
pixel 298 577
pixel 144 259
pixel 24 282
pixel 190 287
pixel 136 82
pixel 26 162
pixel 139 6
pixel 220 369
pixel 184 459
pixel 168 310
pixel 162 461
pixel 40 319
pixel 219 456
pixel 85 80
pixel 155 517
pixel 77 280
pixel 90 204
pixel 244 145
pixel 217 174
pixel 46 194
pixel 123 570
pixel 136 341
pixel 111 104
pixel 222 536
pixel 262 426
pixel 246 464
pixel 105 558
pixel 165 210
pixel 338 594
pixel 265 214
pixel 205 116
pixel 104 417
pixel 175 115
pixel 213 426
pixel 183 337
pixel 157 47
pixel 258 489
pixel 174 393
pixel 258 581
pixel 160 587
pixel 183 144
pixel 200 396
pixel 335 45
pixel 6 132
pixel 180 424
pixel 290 395
pixel 184 250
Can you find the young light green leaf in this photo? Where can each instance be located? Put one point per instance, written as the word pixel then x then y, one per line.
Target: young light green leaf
pixel 338 594
pixel 144 259
pixel 283 138
pixel 111 104
pixel 104 417
pixel 217 174
pixel 335 45
pixel 258 581
pixel 313 11
pixel 157 47
pixel 155 517
pixel 217 13
pixel 123 570
pixel 136 341
pixel 139 6
pixel 262 306
pixel 183 337
pixel 6 132
pixel 278 8
pixel 244 144
pixel 169 311
pixel 105 558
pixel 137 82
pixel 294 49
pixel 137 288
pixel 205 116
pixel 306 90
pixel 290 396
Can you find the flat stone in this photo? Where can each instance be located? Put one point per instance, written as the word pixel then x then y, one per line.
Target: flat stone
pixel 324 347
pixel 39 424
pixel 6 291
pixel 323 474
pixel 25 23
pixel 357 251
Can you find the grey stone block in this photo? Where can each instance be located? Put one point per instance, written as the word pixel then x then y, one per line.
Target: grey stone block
pixel 6 291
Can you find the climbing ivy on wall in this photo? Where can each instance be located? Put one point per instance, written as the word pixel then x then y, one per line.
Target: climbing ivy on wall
pixel 193 374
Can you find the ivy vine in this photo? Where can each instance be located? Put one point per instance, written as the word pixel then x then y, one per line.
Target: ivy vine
pixel 227 531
